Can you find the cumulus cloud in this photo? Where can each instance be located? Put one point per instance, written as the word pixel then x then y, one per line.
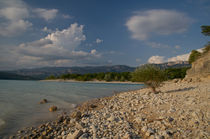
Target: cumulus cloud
pixel 68 38
pixel 160 22
pixel 57 48
pixel 98 41
pixel 47 14
pixel 156 59
pixel 183 57
pixel 161 59
pixel 13 14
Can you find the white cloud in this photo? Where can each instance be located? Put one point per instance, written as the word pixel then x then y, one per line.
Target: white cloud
pixel 47 14
pixel 68 38
pixel 13 14
pixel 93 51
pixel 183 57
pixel 99 41
pixel 162 59
pixel 14 28
pixel 58 47
pixel 156 59
pixel 160 22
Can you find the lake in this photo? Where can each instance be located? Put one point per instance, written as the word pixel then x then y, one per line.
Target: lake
pixel 19 100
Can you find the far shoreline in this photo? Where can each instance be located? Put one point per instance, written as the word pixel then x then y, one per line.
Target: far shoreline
pixel 94 81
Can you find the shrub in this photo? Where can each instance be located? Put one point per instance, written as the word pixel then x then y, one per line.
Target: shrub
pixel 173 73
pixel 151 75
pixel 194 55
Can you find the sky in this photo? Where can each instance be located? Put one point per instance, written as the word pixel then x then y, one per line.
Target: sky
pixel 66 33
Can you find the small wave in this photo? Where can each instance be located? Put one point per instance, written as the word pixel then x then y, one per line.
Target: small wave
pixel 2 122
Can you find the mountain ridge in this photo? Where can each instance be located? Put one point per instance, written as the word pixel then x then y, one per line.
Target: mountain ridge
pixel 42 73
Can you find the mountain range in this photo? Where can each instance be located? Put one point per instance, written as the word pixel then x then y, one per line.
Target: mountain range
pixel 42 73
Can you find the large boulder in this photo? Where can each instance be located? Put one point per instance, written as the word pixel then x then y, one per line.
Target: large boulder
pixel 201 67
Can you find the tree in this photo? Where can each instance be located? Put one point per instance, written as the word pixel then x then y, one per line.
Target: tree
pixel 108 77
pixel 100 76
pixel 51 77
pixel 205 30
pixel 194 55
pixel 151 75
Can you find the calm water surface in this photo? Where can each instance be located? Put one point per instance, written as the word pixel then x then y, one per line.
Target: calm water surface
pixel 19 100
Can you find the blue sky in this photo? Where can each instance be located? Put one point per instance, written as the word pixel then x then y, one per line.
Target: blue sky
pixel 35 33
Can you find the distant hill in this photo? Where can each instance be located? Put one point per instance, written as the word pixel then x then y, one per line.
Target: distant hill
pixel 42 73
pixel 11 76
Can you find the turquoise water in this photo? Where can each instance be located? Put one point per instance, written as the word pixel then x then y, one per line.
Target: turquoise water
pixel 19 100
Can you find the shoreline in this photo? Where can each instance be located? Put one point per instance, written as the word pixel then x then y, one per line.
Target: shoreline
pixel 95 81
pixel 181 107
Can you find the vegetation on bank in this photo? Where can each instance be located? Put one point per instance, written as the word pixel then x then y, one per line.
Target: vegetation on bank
pixel 109 76
pixel 194 55
pixel 171 73
pixel 151 75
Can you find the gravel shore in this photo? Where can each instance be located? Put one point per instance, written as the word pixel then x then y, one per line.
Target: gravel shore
pixel 181 110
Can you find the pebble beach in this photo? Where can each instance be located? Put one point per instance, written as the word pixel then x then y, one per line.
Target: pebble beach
pixel 180 110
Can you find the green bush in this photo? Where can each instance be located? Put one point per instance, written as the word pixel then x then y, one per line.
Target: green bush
pixel 194 55
pixel 109 76
pixel 151 75
pixel 173 73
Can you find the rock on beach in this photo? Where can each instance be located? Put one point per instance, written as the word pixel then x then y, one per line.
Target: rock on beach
pixel 180 111
pixel 43 101
pixel 53 108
